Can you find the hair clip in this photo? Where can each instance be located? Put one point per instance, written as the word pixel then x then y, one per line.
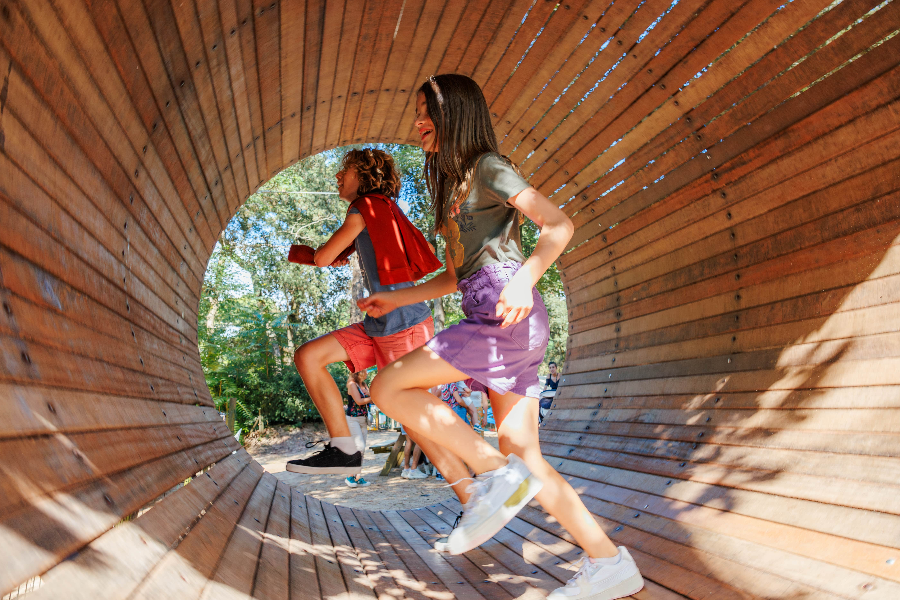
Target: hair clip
pixel 436 89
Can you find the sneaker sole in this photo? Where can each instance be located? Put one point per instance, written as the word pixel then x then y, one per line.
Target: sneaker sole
pixel 323 470
pixel 629 587
pixel 497 521
pixel 440 546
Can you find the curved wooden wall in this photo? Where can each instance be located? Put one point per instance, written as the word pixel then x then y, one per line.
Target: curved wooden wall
pixel 730 399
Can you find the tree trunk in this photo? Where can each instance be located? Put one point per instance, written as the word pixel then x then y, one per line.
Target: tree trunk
pixel 439 316
pixel 357 289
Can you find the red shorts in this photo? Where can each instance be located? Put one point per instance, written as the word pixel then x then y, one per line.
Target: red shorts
pixel 365 351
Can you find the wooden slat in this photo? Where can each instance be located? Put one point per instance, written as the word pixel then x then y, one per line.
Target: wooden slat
pixel 293 42
pixel 113 565
pixel 186 568
pixel 303 574
pixel 331 573
pixel 47 531
pixel 272 575
pixel 235 573
pixel 244 24
pixel 267 27
pixel 348 81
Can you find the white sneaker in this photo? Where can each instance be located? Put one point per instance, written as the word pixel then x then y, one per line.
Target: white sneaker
pixel 496 498
pixel 442 544
pixel 405 473
pixel 416 474
pixel 602 582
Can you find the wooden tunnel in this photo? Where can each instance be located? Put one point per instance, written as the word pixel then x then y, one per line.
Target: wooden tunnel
pixel 730 408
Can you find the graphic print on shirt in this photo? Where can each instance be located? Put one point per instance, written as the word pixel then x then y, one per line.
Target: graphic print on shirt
pixel 454 245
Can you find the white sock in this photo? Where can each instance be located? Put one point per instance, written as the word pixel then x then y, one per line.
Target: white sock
pixel 612 560
pixel 344 444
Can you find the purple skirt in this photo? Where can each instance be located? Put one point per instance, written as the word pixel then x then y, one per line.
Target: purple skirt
pixel 503 360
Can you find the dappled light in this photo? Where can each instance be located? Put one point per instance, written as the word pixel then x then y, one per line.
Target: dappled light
pixel 729 394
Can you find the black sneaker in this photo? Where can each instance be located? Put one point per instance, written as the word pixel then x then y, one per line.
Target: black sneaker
pixel 327 460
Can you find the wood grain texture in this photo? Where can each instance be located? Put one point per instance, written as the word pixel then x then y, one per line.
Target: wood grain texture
pixel 729 401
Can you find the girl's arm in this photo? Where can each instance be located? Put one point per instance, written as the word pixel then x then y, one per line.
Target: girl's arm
pixel 556 230
pixel 341 238
pixel 353 390
pixel 382 303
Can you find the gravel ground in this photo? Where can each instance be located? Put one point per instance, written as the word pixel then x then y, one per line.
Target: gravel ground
pixel 275 446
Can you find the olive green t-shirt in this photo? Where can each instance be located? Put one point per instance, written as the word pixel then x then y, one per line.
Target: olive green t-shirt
pixel 486 228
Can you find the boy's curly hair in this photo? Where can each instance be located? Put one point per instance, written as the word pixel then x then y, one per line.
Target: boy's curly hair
pixel 376 171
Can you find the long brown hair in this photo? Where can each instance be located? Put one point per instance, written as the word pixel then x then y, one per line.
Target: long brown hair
pixel 464 132
pixel 360 377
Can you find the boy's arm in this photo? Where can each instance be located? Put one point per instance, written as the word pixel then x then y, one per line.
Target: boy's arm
pixel 342 238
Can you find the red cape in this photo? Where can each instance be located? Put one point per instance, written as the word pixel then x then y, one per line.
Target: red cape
pixel 401 251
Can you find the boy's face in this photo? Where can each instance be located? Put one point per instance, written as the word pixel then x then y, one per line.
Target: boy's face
pixel 424 125
pixel 348 184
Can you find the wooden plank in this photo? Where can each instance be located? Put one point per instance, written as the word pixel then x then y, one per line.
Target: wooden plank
pixel 186 568
pixel 215 52
pixel 331 576
pixel 235 59
pixel 172 78
pixel 794 81
pixel 45 327
pixel 245 19
pixel 539 14
pixel 38 410
pixel 39 292
pixel 480 65
pixel 267 30
pixel 457 573
pixel 273 572
pixel 47 531
pixel 345 75
pixel 315 31
pixel 114 564
pixel 869 533
pixel 156 192
pixel 380 560
pixel 496 21
pixel 360 109
pixel 100 213
pixel 438 28
pixel 167 134
pixel 187 24
pixel 689 110
pixel 561 66
pixel 303 576
pixel 293 42
pixel 740 539
pixel 358 584
pixel 328 67
pixel 236 570
pixel 394 456
pixel 414 13
pixel 83 457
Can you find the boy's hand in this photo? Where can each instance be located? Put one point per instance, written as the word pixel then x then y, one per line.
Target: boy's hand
pixel 340 262
pixel 516 302
pixel 377 305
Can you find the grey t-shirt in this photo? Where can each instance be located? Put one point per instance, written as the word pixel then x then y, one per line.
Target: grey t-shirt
pixel 396 320
pixel 486 229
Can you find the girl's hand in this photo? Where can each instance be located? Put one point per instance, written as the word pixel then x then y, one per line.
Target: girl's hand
pixel 516 302
pixel 377 305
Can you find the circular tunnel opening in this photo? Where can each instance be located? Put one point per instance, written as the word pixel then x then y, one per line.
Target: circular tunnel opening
pixel 256 309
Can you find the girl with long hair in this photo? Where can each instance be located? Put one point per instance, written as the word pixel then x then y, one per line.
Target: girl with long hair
pixel 477 197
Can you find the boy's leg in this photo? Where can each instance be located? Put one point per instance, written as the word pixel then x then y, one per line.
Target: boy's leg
pixel 352 346
pixel 517 429
pixel 312 360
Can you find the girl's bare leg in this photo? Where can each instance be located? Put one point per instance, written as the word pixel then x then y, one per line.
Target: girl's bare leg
pixel 446 463
pixel 312 360
pixel 400 390
pixel 517 429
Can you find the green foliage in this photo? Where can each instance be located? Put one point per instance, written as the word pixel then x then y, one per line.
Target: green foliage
pixel 256 308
